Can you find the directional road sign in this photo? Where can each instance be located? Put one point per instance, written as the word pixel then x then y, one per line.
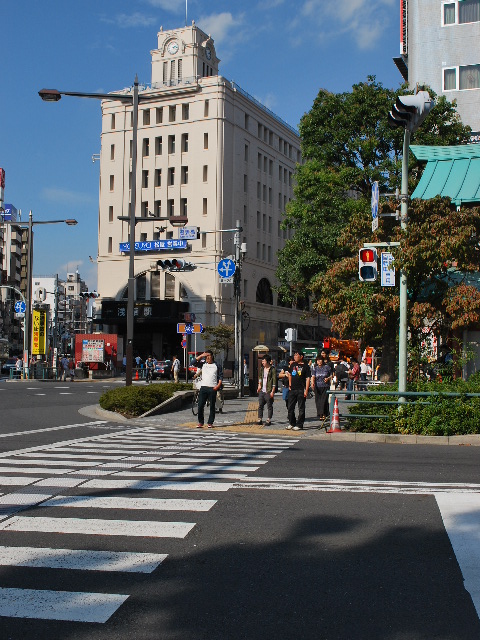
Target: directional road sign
pixel 189 327
pixel 20 306
pixel 375 196
pixel 387 278
pixel 226 268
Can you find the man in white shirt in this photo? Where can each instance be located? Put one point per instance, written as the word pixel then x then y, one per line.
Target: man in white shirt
pixel 176 368
pixel 211 383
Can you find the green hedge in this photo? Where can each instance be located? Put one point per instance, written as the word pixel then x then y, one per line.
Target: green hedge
pixel 133 401
pixel 428 416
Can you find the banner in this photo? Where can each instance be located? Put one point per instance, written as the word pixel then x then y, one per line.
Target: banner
pixel 39 323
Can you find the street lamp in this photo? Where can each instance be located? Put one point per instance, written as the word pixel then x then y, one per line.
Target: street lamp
pixel 53 95
pixel 28 298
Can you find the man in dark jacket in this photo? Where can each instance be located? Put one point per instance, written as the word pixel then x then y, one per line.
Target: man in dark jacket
pixel 299 376
pixel 267 383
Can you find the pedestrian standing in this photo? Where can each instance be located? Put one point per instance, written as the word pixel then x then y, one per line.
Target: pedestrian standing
pixel 299 377
pixel 19 366
pixel 211 383
pixel 65 369
pixel 71 369
pixel 124 364
pixel 176 368
pixel 363 373
pixel 149 367
pixel 283 376
pixel 267 382
pixel 353 376
pixel 321 376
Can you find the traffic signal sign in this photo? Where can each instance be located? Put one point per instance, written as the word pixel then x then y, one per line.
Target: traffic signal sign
pixel 367 265
pixel 89 294
pixel 176 264
pixel 410 111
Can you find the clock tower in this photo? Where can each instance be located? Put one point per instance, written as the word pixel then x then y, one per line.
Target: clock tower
pixel 183 54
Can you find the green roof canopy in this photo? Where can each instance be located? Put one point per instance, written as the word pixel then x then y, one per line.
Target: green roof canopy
pixel 450 171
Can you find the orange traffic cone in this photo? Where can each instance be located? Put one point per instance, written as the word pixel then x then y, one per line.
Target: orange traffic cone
pixel 335 424
pixel 136 375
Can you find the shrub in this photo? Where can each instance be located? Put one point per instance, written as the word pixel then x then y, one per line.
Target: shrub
pixel 438 415
pixel 133 401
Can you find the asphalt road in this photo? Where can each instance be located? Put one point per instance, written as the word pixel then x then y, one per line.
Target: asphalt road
pixel 163 532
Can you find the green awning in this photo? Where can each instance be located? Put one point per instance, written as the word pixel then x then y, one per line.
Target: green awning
pixel 450 171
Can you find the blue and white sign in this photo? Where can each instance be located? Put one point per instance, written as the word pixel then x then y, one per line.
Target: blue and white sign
pixel 20 306
pixel 387 273
pixel 375 197
pixel 188 233
pixel 154 245
pixel 226 268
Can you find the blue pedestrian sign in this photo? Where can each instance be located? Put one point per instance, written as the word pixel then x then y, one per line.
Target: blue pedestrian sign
pixel 375 197
pixel 226 268
pixel 20 306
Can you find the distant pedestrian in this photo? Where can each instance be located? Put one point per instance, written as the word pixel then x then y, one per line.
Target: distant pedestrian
pixel 175 368
pixel 341 372
pixel 149 366
pixel 321 376
pixel 283 376
pixel 211 383
pixel 124 364
pixel 71 369
pixel 299 377
pixel 19 366
pixel 353 376
pixel 363 374
pixel 64 368
pixel 267 382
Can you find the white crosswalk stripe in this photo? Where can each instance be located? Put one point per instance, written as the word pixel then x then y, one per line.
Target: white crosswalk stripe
pixel 127 462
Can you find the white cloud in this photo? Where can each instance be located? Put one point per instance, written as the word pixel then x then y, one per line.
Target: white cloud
pixel 65 197
pixel 221 25
pixel 127 21
pixel 362 20
pixel 174 6
pixel 265 5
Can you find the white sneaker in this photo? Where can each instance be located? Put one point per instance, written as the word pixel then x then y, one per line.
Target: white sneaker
pixel 289 427
pixel 296 428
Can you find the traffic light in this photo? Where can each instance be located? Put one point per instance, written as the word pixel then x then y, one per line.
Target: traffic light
pixel 290 335
pixel 175 264
pixel 367 265
pixel 410 111
pixel 86 295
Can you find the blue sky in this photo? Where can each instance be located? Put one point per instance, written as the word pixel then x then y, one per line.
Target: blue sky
pixel 280 51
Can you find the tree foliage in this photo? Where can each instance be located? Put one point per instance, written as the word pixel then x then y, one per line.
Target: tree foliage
pixel 221 337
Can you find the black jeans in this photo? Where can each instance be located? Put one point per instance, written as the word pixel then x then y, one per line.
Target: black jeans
pixel 294 396
pixel 206 393
pixel 321 401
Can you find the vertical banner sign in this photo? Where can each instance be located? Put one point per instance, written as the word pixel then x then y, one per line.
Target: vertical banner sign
pixel 386 270
pixel 39 323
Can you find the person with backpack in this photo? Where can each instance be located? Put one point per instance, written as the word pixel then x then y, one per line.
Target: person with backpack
pixel 149 366
pixel 321 376
pixel 341 372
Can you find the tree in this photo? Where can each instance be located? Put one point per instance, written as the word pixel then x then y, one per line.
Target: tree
pixel 222 337
pixel 347 145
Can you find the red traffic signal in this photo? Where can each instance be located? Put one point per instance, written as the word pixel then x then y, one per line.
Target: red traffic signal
pixel 367 265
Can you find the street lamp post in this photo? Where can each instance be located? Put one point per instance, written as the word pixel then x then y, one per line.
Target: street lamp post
pixel 28 298
pixel 53 95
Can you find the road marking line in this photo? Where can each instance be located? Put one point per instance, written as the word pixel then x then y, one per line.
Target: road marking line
pixel 82 560
pixel 14 480
pixel 151 504
pixel 95 526
pixel 4 469
pixel 67 426
pixel 73 606
pixel 143 485
pixel 200 467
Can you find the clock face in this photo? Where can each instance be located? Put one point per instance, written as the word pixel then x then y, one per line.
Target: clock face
pixel 172 47
pixel 208 53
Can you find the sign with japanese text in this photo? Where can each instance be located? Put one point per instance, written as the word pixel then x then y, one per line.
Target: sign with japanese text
pixel 387 273
pixel 93 350
pixel 39 323
pixel 154 245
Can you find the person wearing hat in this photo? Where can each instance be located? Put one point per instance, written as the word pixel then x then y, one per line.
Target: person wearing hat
pixel 267 382
pixel 299 383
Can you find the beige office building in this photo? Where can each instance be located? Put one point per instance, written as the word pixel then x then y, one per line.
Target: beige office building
pixel 210 152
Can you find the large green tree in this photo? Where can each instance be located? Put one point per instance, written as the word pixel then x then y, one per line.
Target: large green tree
pixel 346 146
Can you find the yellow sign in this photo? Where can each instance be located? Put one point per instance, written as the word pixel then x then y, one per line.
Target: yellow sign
pixel 39 324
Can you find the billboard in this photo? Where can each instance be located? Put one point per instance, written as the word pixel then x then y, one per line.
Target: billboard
pixel 93 350
pixel 10 212
pixel 39 337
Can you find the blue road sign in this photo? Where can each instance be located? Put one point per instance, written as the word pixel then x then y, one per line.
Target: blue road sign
pixel 226 268
pixel 375 195
pixel 20 306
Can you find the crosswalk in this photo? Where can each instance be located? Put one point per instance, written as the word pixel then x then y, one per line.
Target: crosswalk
pixel 95 499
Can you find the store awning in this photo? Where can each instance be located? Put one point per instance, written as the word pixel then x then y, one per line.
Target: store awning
pixel 450 171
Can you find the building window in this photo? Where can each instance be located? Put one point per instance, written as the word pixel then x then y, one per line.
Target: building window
pixel 146 117
pixel 245 183
pixel 171 176
pixel 110 245
pixel 184 142
pixel 246 121
pixel 159 115
pixel 165 72
pixel 112 122
pixel 259 161
pixel 112 152
pixel 158 177
pixel 171 144
pixel 144 210
pixel 204 240
pixel 461 78
pixel 259 190
pixel 183 207
pixel 158 146
pixel 146 147
pixel 158 208
pixel 143 237
pixel 131 148
pixel 245 154
pixel 184 176
pixel 172 113
pixel 259 220
pixel 206 106
pixel 170 208
pixel 110 214
pixel 185 111
pixel 145 179
pixel 205 207
pixel 112 182
pixel 205 173
pixel 205 140
pixel 460 12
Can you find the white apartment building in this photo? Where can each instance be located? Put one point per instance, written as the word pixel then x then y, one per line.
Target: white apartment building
pixel 440 46
pixel 210 152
